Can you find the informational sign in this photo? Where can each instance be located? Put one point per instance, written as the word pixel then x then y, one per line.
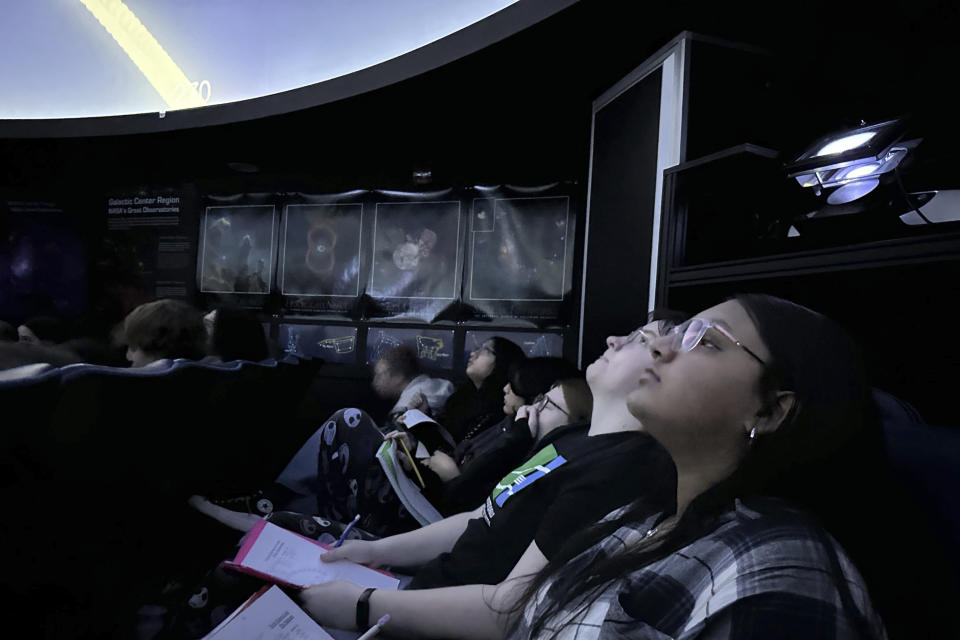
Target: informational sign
pixel 434 347
pixel 237 249
pixel 333 343
pixel 534 345
pixel 158 225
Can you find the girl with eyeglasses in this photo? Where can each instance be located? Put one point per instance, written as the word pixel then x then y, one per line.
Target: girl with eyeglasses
pixel 763 408
pixel 466 476
pixel 476 404
pixel 753 398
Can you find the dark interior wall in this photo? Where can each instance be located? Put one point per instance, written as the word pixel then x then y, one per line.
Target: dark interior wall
pixel 622 195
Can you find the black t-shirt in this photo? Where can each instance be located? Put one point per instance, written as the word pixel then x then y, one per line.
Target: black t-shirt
pixel 483 460
pixel 570 483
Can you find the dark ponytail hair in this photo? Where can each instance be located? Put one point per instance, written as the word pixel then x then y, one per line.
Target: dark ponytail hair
pixel 803 460
pixel 471 409
pixel 507 355
pixel 533 376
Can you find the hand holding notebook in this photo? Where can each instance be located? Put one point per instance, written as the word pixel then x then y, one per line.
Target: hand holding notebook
pixel 281 556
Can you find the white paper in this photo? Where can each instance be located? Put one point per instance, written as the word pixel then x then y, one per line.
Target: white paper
pixel 421 452
pixel 412 417
pixel 296 560
pixel 271 616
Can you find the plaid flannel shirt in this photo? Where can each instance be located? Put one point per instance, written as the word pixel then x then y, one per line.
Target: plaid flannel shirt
pixel 762 573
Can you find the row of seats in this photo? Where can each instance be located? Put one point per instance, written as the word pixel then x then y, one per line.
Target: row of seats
pixel 98 463
pixel 199 427
pixel 926 460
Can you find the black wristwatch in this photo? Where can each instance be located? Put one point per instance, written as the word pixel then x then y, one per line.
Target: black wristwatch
pixel 363 609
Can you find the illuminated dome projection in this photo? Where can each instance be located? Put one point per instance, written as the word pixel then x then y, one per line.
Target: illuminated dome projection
pixel 94 58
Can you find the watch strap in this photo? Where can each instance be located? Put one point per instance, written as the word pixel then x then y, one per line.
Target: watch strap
pixel 363 609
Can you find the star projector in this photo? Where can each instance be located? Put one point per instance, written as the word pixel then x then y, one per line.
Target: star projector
pixel 852 163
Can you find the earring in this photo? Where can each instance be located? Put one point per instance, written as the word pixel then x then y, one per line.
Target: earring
pixel 753 434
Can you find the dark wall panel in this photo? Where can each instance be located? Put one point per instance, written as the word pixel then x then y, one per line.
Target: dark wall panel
pixel 622 196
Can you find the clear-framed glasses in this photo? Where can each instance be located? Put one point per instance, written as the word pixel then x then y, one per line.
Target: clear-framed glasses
pixel 640 335
pixel 486 348
pixel 688 335
pixel 541 401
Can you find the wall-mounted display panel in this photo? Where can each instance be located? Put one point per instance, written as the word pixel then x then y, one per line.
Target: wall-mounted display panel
pixel 321 250
pixel 520 254
pixel 520 249
pixel 237 249
pixel 434 347
pixel 333 343
pixel 415 250
pixel 415 257
pixel 43 261
pixel 444 256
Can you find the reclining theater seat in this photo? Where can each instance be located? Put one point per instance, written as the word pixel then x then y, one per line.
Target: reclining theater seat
pixel 28 405
pixel 926 460
pixel 107 460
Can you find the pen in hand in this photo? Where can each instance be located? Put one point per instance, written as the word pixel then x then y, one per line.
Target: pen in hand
pixel 375 629
pixel 346 531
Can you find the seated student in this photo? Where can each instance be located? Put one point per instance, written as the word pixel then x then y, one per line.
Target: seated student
pixel 460 481
pixel 353 481
pixel 43 329
pixel 592 468
pixel 234 334
pixel 396 376
pixel 753 399
pixel 164 329
pixel 467 409
pixel 477 404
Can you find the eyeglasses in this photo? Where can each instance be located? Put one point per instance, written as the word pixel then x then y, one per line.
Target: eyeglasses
pixel 688 335
pixel 640 334
pixel 541 401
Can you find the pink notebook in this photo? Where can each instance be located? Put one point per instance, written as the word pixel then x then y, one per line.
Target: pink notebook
pixel 287 558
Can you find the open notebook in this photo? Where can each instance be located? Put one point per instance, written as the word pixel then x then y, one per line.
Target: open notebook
pixel 287 558
pixel 408 492
pixel 269 614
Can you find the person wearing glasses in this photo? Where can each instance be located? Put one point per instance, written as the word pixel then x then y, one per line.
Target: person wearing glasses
pixel 476 404
pixel 461 480
pixel 567 402
pixel 579 473
pixel 763 408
